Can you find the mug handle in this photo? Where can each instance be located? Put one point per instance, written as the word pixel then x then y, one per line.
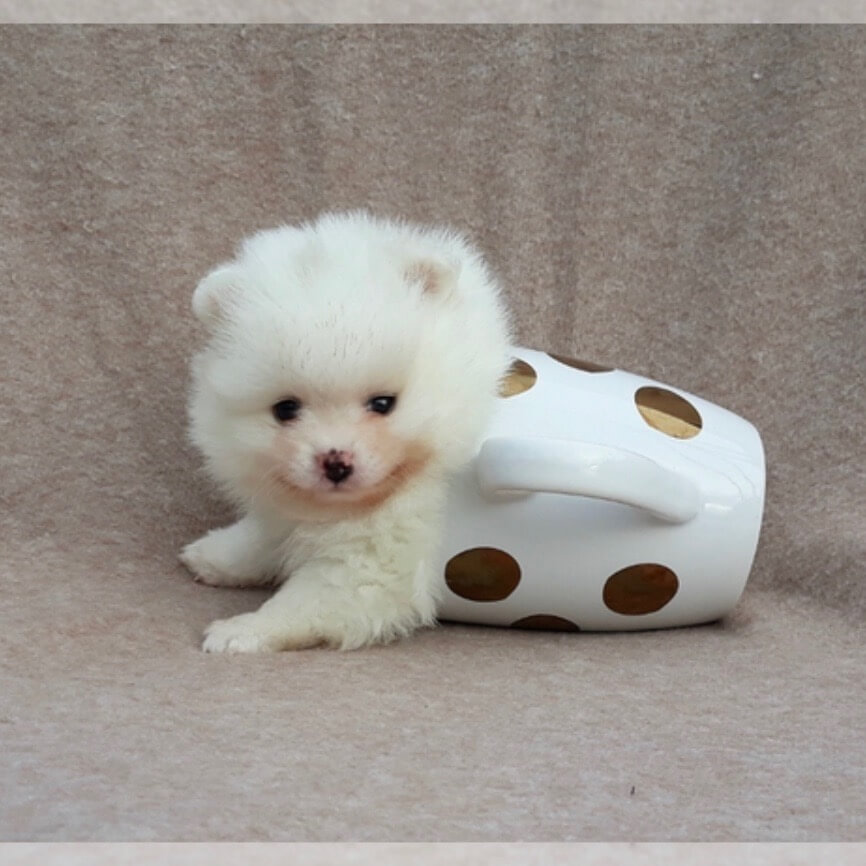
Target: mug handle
pixel 512 464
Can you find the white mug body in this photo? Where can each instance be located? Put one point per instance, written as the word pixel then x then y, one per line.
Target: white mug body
pixel 601 500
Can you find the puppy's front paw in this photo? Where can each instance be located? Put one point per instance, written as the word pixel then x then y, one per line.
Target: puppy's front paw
pixel 246 633
pixel 194 557
pixel 210 561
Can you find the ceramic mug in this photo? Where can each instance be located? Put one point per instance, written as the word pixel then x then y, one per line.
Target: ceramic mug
pixel 601 500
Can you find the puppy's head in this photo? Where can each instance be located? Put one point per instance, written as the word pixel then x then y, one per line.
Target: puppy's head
pixel 324 387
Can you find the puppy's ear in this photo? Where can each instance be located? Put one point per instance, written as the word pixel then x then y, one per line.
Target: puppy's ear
pixel 213 294
pixel 435 276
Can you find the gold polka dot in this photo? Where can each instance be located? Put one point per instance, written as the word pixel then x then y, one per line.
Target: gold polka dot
pixel 482 574
pixel 668 412
pixel 546 622
pixel 519 378
pixel 586 366
pixel 638 589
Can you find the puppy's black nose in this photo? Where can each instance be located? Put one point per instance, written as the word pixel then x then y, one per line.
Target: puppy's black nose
pixel 336 470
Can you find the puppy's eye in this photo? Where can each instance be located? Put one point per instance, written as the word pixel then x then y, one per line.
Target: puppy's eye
pixel 286 410
pixel 383 404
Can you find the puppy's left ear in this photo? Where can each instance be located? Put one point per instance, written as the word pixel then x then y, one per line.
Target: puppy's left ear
pixel 213 295
pixel 434 276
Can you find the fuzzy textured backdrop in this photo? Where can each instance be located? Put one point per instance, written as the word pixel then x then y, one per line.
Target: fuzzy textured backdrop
pixel 685 202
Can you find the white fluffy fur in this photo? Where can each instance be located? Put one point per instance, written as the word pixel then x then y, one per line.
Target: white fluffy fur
pixel 333 313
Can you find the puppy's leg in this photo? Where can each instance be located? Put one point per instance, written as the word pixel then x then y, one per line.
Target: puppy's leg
pixel 325 603
pixel 244 554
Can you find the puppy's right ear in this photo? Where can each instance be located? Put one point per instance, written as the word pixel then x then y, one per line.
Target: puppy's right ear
pixel 213 295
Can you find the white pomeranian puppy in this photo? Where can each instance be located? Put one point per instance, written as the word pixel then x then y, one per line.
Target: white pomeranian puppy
pixel 351 368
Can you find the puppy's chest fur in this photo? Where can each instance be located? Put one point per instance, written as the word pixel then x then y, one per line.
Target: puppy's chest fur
pixel 397 534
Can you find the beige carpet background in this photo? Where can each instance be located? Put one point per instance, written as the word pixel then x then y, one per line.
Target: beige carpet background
pixel 685 202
